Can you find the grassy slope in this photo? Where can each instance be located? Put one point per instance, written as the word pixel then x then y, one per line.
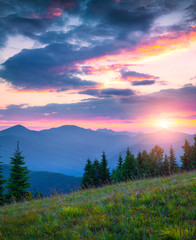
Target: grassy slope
pixel 162 208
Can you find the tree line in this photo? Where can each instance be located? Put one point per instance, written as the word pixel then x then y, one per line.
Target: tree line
pixel 96 174
pixel 18 181
pixel 146 165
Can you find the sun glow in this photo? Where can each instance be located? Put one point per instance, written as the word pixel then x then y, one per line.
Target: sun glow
pixel 163 123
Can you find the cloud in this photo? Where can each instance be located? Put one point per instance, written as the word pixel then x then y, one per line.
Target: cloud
pixel 136 75
pixel 135 20
pixel 138 79
pixel 83 110
pixel 131 107
pixel 114 19
pixel 54 66
pixel 143 82
pixel 167 100
pixel 49 67
pixel 108 93
pixel 193 78
pixel 31 18
pixel 98 30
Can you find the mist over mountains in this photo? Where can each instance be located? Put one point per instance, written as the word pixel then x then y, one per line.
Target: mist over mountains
pixel 65 149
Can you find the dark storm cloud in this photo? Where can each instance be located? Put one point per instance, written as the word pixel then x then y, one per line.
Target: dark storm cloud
pixel 14 25
pixel 29 18
pixel 83 34
pixel 3 38
pixel 105 28
pixel 137 20
pixel 45 68
pixel 108 92
pixel 52 66
pixel 191 9
pixel 23 7
pixel 131 107
pixel 122 18
pixel 143 82
pixel 33 18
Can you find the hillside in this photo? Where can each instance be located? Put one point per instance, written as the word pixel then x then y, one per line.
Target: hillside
pixel 153 209
pixel 65 149
pixel 49 183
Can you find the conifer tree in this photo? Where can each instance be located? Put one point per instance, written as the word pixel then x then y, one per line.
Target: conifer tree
pixel 166 165
pixel 186 158
pixel 140 159
pixel 117 175
pixel 120 162
pixel 130 166
pixel 128 153
pixel 96 173
pixel 140 164
pixel 2 181
pixel 193 154
pixel 173 162
pixel 87 179
pixel 104 171
pixel 18 181
pixel 38 195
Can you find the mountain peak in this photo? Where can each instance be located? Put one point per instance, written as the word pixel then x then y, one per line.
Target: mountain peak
pixel 19 126
pixel 17 129
pixel 63 127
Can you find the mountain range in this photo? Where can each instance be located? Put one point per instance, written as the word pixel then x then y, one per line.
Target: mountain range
pixel 65 149
pixel 48 183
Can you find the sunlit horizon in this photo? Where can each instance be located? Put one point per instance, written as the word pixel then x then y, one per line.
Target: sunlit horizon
pixel 131 68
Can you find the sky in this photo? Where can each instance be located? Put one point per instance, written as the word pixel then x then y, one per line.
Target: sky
pixel 117 64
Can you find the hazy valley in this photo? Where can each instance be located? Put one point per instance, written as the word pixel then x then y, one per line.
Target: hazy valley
pixel 66 149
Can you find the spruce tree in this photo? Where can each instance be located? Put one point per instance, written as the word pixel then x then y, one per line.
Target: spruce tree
pixel 120 162
pixel 87 179
pixel 2 181
pixel 130 166
pixel 193 154
pixel 140 159
pixel 18 181
pixel 166 165
pixel 104 171
pixel 173 162
pixel 96 173
pixel 186 158
pixel 140 164
pixel 117 174
pixel 38 195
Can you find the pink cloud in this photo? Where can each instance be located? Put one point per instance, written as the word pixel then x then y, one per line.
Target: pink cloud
pixel 54 12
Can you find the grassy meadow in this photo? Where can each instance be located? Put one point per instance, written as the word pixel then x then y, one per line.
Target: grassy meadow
pixel 160 208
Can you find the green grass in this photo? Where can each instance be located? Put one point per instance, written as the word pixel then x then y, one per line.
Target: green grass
pixel 162 208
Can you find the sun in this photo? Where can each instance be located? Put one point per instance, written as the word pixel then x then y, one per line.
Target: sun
pixel 163 123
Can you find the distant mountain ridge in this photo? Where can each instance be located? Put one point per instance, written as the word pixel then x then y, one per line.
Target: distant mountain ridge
pixel 111 132
pixel 48 183
pixel 65 149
